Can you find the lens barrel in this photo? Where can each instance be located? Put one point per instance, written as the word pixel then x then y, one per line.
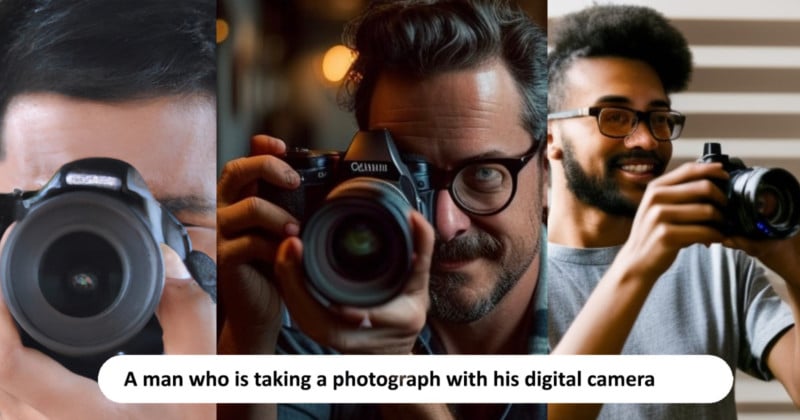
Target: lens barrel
pixel 358 245
pixel 81 273
pixel 763 203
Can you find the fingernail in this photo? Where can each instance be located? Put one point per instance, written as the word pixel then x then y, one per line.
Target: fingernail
pixel 291 229
pixel 291 178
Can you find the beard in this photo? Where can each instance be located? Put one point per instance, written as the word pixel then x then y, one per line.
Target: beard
pixel 603 191
pixel 448 302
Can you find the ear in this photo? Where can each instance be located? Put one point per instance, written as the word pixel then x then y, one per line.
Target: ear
pixel 554 151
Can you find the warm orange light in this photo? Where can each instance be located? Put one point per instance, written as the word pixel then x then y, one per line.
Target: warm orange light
pixel 336 62
pixel 222 30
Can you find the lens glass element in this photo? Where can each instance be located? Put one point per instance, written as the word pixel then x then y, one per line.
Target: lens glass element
pixel 80 274
pixel 359 248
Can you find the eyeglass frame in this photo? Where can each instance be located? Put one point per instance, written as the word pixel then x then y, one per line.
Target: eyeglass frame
pixel 594 111
pixel 442 179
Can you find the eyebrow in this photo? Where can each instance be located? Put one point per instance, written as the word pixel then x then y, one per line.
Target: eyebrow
pixel 617 99
pixel 188 204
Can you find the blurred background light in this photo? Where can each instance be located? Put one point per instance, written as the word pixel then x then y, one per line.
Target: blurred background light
pixel 336 62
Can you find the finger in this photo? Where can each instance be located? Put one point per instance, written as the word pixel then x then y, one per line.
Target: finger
pixel 255 212
pixel 423 234
pixel 692 213
pixel 316 320
pixel 692 171
pixel 186 313
pixel 239 174
pixel 245 249
pixel 262 144
pixel 290 276
pixel 696 191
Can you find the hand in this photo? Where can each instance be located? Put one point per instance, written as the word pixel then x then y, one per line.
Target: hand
pixel 678 209
pixel 33 386
pixel 250 230
pixel 391 328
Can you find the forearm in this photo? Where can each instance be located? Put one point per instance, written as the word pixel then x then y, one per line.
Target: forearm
pixel 792 383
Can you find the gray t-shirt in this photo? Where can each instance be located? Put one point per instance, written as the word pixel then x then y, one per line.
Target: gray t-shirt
pixel 710 301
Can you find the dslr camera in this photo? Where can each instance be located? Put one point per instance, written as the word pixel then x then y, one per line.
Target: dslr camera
pixel 354 208
pixel 762 203
pixel 81 269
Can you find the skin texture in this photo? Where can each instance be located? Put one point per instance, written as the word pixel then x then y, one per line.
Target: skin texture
pixel 448 118
pixel 171 142
pixel 674 211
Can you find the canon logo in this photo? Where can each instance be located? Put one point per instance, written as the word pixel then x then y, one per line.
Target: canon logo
pixel 369 167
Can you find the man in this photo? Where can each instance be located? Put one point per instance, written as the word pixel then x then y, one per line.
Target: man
pixel 128 80
pixel 460 83
pixel 633 251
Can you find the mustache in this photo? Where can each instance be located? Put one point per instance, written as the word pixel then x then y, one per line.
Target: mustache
pixel 468 247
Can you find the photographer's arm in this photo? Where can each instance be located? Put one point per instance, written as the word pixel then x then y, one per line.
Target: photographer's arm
pixel 783 257
pixel 674 213
pixel 32 383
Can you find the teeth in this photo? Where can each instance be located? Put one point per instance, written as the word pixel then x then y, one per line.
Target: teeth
pixel 637 168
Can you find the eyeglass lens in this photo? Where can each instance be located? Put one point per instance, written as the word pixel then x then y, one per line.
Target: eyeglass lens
pixel 619 122
pixel 483 187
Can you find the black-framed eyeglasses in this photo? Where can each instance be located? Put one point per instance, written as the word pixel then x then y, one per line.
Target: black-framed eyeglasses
pixel 619 122
pixel 483 186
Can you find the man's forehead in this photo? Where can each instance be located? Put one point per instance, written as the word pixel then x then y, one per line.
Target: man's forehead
pixel 171 143
pixel 614 80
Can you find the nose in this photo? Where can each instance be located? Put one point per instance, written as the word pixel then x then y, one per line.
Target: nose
pixel 641 138
pixel 450 220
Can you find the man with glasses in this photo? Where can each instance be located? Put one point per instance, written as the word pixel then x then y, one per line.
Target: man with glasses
pixel 462 84
pixel 634 257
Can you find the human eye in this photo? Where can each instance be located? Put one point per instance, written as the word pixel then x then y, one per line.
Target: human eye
pixel 484 178
pixel 617 116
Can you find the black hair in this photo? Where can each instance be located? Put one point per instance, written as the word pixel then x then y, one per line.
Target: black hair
pixel 424 38
pixel 634 32
pixel 107 50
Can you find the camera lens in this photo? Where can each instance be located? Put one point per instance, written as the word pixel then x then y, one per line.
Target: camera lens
pixel 80 274
pixel 359 248
pixel 358 245
pixel 764 203
pixel 769 203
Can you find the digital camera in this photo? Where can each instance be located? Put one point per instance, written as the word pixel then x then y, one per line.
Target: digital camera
pixel 354 208
pixel 81 269
pixel 762 203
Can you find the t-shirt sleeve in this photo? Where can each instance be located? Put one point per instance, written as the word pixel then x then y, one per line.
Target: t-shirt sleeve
pixel 765 317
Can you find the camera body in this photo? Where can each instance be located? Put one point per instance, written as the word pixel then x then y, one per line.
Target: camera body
pixel 82 270
pixel 762 203
pixel 354 208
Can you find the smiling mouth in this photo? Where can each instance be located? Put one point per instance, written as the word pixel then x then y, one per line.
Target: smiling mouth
pixel 638 168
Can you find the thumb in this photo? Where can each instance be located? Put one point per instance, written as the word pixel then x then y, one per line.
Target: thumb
pixel 186 313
